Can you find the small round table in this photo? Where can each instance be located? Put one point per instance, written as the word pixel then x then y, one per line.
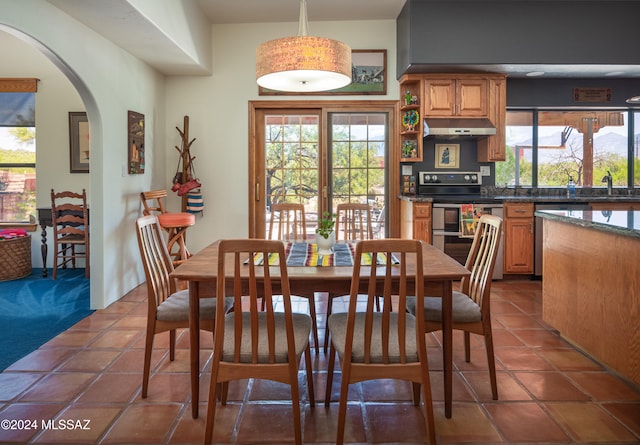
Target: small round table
pixel 176 224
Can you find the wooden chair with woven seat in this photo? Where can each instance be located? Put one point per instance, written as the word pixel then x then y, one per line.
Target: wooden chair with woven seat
pixel 288 222
pixel 251 342
pixel 379 345
pixel 471 305
pixel 70 221
pixel 168 308
pixel 353 223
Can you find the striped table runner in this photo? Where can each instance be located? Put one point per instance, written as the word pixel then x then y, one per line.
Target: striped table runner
pixel 306 254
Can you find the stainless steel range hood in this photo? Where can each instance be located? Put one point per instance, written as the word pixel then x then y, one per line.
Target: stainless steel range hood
pixel 458 127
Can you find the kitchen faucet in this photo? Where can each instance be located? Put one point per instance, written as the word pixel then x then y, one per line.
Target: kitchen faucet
pixel 609 180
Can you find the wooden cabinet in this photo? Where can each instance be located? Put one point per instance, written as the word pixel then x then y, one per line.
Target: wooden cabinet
pixel 447 97
pixel 493 149
pixel 410 112
pixel 615 205
pixel 415 220
pixel 518 238
pixel 452 96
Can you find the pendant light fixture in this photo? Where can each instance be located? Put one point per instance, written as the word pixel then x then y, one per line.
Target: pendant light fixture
pixel 635 100
pixel 303 63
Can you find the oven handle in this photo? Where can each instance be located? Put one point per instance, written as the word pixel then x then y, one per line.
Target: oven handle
pixel 443 233
pixel 445 206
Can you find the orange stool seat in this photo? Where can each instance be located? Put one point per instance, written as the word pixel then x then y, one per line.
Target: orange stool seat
pixel 176 223
pixel 176 219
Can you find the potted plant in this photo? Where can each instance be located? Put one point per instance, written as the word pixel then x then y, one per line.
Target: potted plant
pixel 325 233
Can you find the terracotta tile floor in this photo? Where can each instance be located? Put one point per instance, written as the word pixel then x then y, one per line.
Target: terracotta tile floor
pixel 549 392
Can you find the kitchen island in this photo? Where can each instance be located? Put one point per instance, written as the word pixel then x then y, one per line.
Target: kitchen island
pixel 591 284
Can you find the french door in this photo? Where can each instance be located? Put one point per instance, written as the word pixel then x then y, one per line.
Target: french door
pixel 319 157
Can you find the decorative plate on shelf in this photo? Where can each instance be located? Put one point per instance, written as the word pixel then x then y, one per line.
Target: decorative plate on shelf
pixel 410 119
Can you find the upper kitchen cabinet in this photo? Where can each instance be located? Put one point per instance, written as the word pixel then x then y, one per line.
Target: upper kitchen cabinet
pixel 446 96
pixel 452 96
pixel 493 148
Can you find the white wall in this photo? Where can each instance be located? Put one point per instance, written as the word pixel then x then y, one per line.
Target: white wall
pixel 218 111
pixel 110 82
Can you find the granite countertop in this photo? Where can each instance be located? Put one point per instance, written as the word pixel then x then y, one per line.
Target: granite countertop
pixel 537 198
pixel 577 199
pixel 620 222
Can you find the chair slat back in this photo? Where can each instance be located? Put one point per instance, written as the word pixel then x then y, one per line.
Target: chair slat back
pixel 156 261
pixel 149 207
pixel 289 222
pixel 398 281
pixel 353 222
pixel 482 258
pixel 263 282
pixel 69 213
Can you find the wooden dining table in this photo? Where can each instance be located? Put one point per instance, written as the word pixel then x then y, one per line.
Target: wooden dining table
pixel 200 271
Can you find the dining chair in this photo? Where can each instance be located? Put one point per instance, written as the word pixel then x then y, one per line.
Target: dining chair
pixel 353 223
pixel 167 308
pixel 471 305
pixel 289 221
pixel 382 344
pixel 251 342
pixel 70 221
pixel 290 224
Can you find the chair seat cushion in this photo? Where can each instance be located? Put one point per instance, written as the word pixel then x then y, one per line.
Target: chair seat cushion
pixel 301 330
pixel 338 330
pixel 465 310
pixel 176 307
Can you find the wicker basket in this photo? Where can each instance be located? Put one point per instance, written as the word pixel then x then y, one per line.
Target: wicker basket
pixel 15 258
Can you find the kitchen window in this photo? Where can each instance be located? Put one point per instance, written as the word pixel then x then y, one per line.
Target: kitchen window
pixel 17 156
pixel 546 147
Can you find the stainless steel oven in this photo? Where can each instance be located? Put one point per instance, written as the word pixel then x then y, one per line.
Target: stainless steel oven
pixel 448 237
pixel 449 192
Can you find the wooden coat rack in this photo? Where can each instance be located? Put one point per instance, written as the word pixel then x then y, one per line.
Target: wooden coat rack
pixel 185 157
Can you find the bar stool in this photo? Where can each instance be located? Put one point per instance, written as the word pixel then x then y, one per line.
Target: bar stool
pixel 176 224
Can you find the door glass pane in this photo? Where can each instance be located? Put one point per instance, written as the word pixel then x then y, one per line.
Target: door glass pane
pixel 291 164
pixel 357 169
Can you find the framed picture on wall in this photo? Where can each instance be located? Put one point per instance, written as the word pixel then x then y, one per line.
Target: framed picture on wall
pixel 79 147
pixel 368 76
pixel 136 143
pixel 447 156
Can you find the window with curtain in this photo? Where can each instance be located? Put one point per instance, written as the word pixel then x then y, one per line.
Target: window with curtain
pixel 17 150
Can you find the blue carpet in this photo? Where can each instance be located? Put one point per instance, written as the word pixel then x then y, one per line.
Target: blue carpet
pixel 33 310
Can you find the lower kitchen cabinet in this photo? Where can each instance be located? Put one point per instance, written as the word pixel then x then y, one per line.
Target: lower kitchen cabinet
pixel 415 220
pixel 518 238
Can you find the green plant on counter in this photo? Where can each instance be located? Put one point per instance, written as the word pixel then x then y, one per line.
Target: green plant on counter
pixel 326 225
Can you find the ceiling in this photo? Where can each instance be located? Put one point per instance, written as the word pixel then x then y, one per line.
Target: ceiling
pixel 259 11
pixel 120 22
